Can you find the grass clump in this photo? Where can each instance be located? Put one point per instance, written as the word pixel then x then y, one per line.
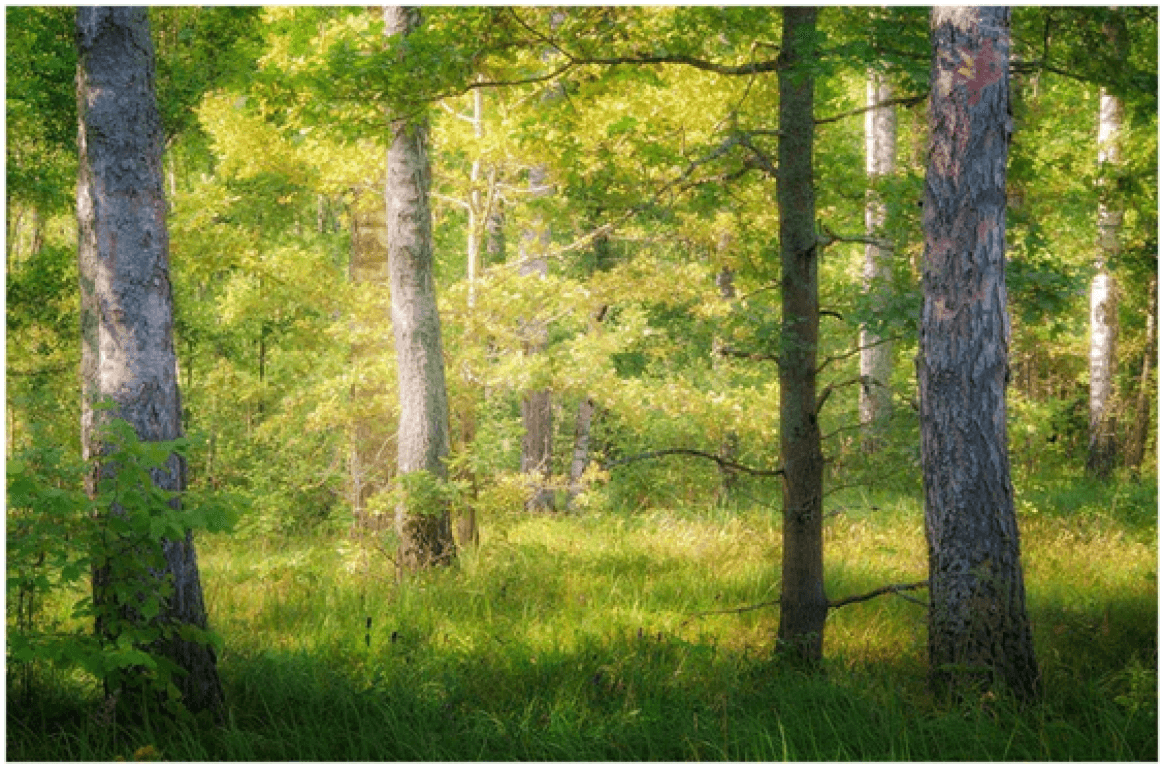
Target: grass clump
pixel 595 638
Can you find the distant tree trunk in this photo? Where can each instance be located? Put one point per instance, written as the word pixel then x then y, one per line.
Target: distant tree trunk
pixel 373 448
pixel 425 534
pixel 978 627
pixel 729 447
pixel 876 403
pixel 1138 441
pixel 803 603
pixel 581 458
pixel 1101 451
pixel 127 305
pixel 537 445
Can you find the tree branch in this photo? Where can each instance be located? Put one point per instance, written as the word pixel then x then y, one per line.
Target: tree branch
pixel 905 101
pixel 723 463
pixel 894 589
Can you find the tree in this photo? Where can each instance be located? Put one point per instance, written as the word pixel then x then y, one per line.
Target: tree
pixel 978 626
pixel 1104 317
pixel 876 353
pixel 127 312
pixel 803 604
pixel 422 519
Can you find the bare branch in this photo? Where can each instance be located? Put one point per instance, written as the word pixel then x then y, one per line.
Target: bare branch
pixel 856 351
pixel 905 101
pixel 723 463
pixel 894 589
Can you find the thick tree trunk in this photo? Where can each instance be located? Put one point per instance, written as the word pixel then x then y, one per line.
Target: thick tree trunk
pixel 1101 452
pixel 876 403
pixel 127 303
pixel 425 534
pixel 803 604
pixel 977 625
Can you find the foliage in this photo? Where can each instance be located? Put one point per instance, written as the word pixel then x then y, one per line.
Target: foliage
pixel 57 535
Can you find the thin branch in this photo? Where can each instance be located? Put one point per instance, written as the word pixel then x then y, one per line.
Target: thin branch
pixel 894 589
pixel 904 101
pixel 744 355
pixel 723 463
pixel 830 359
pixel 831 237
pixel 828 390
pixel 722 611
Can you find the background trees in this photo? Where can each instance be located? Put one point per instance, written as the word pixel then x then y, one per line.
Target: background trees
pixel 662 144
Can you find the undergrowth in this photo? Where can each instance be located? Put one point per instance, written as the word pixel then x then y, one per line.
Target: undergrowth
pixel 646 636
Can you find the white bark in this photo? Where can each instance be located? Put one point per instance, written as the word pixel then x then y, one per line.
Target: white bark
pixel 1104 317
pixel 876 402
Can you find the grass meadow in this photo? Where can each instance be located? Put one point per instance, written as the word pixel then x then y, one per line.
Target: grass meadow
pixel 620 636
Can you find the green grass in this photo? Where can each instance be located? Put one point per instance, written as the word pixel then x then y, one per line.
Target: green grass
pixel 587 638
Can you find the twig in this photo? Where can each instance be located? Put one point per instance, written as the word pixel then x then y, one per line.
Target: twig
pixel 723 463
pixel 894 589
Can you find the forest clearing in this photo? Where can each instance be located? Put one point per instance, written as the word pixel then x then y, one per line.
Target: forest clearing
pixel 581 384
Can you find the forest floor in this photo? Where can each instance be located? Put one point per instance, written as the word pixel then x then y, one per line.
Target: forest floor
pixel 648 635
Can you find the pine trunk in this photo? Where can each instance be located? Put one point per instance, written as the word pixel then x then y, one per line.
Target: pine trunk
pixel 876 403
pixel 422 526
pixel 1101 453
pixel 978 628
pixel 127 308
pixel 803 604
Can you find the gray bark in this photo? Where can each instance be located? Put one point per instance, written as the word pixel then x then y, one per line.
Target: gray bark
pixel 803 603
pixel 425 535
pixel 127 311
pixel 537 445
pixel 876 400
pixel 1101 453
pixel 978 629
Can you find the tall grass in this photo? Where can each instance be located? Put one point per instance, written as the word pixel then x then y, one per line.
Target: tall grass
pixel 621 637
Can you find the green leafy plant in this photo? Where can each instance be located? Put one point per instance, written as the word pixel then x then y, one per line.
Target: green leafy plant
pixel 59 536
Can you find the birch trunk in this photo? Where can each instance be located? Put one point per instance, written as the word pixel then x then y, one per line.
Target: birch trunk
pixel 978 628
pixel 803 603
pixel 1101 451
pixel 127 308
pixel 876 401
pixel 422 525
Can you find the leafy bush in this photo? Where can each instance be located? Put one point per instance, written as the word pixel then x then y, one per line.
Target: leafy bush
pixel 59 537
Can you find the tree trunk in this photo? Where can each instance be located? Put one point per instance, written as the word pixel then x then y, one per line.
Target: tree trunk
pixel 729 447
pixel 876 401
pixel 1138 441
pixel 803 604
pixel 373 447
pixel 537 445
pixel 978 627
pixel 422 525
pixel 127 309
pixel 1101 451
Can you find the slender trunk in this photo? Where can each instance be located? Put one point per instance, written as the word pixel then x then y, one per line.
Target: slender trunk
pixel 1101 453
pixel 422 523
pixel 1138 441
pixel 537 444
pixel 876 400
pixel 372 442
pixel 729 447
pixel 803 603
pixel 127 309
pixel 581 458
pixel 978 627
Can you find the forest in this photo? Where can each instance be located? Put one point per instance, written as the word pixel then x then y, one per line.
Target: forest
pixel 581 383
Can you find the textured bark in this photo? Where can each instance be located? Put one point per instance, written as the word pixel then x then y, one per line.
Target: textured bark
pixel 425 535
pixel 978 628
pixel 803 603
pixel 876 400
pixel 127 303
pixel 1101 450
pixel 581 457
pixel 537 444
